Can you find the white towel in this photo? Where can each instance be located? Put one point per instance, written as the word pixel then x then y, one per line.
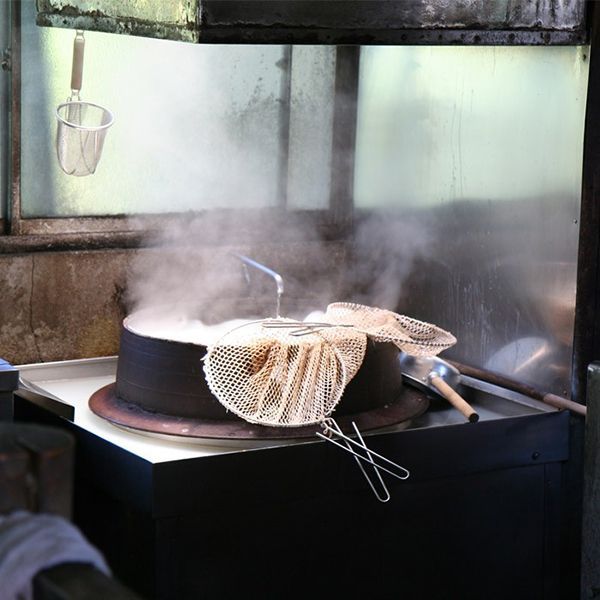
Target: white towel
pixel 30 543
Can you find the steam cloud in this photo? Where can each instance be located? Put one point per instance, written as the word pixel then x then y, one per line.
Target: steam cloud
pixel 191 269
pixel 385 248
pixel 183 275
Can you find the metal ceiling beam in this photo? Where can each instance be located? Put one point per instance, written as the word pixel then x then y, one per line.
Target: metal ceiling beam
pixel 506 22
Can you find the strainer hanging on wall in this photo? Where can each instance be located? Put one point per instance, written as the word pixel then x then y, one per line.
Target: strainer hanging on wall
pixel 82 126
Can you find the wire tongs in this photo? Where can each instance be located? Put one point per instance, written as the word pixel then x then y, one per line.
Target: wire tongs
pixel 331 428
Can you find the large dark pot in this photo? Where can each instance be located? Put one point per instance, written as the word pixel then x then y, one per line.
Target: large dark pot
pixel 167 377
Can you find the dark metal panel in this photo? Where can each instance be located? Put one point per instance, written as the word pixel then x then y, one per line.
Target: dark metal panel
pixel 344 135
pixel 127 477
pixel 586 343
pixel 6 406
pixel 482 502
pixel 324 21
pixel 590 576
pixel 395 14
pixel 471 537
pixel 394 37
pixel 554 529
pixel 76 581
pixel 9 381
pixel 9 377
pixel 453 451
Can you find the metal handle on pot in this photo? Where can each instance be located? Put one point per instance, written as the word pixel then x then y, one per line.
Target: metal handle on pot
pixel 276 277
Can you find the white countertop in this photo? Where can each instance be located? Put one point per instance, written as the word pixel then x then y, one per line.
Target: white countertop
pixel 74 381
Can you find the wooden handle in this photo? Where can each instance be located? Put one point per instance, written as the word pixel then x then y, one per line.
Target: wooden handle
pixel 454 398
pixel 77 69
pixel 563 403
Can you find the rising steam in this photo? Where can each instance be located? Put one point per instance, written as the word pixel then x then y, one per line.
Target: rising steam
pixel 182 274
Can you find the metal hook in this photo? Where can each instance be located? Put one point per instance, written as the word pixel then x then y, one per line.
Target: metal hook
pixel 331 428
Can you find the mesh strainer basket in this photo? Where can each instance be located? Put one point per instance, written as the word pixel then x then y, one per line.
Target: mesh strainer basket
pixel 80 134
pixel 82 126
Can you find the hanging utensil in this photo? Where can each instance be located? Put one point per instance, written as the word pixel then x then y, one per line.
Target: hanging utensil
pixel 82 126
pixel 431 373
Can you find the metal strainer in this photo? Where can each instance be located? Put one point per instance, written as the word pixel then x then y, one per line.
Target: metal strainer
pixel 82 126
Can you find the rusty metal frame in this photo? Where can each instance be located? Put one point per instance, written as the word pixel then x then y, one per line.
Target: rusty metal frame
pixel 344 136
pixel 14 210
pixel 326 22
pixel 397 37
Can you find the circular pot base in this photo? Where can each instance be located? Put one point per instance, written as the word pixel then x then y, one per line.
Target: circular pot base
pixel 106 404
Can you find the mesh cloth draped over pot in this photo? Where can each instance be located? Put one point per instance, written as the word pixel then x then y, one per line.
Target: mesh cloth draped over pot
pixel 272 376
pixel 411 336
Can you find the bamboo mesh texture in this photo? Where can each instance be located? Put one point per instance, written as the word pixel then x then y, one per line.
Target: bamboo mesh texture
pixel 270 375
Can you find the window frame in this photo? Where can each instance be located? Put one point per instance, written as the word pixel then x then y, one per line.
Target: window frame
pixel 19 233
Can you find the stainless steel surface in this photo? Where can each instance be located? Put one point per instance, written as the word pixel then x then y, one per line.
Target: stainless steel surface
pixel 46 399
pixel 74 381
pixel 434 374
pixel 480 191
pixel 421 369
pixel 501 276
pixel 515 397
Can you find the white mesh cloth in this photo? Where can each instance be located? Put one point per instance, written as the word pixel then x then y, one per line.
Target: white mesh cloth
pixel 270 376
pixel 266 373
pixel 409 335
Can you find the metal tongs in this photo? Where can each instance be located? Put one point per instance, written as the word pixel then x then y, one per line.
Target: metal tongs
pixel 300 327
pixel 331 428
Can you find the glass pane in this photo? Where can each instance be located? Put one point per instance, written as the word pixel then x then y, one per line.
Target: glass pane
pixel 440 123
pixel 197 127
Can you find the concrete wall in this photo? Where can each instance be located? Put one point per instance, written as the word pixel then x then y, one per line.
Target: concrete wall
pixel 66 305
pixel 56 306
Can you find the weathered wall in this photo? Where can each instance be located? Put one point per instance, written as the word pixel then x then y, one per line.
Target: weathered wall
pixel 66 305
pixel 56 306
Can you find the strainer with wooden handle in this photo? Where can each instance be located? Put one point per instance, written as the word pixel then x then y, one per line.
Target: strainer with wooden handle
pixel 82 126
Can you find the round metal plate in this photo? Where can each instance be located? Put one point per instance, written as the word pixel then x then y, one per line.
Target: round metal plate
pixel 106 404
